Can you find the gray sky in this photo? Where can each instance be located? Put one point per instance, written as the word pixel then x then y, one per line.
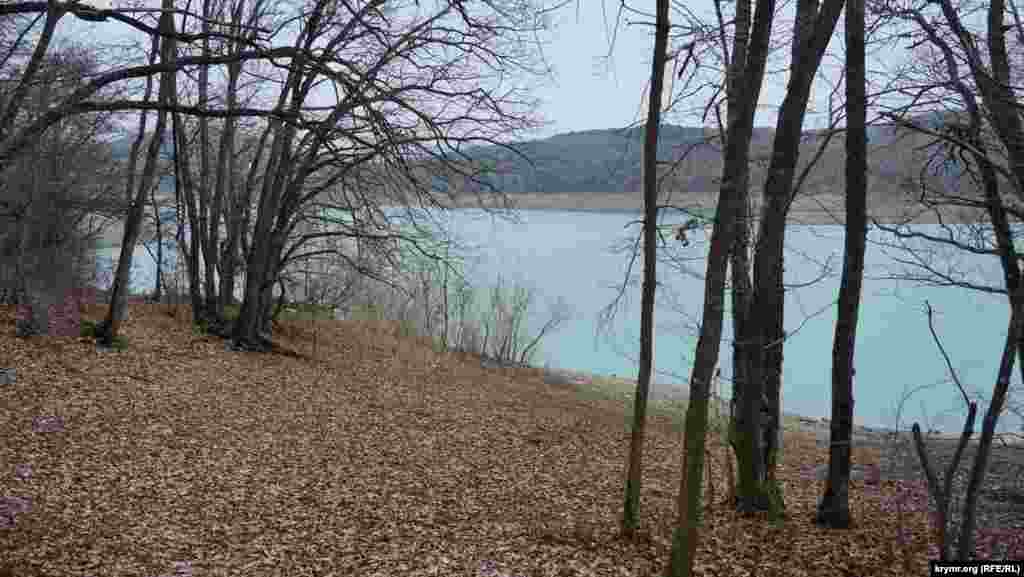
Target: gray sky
pixel 592 90
pixel 595 85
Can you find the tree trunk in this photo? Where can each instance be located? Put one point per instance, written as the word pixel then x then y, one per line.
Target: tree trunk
pixel 236 196
pixel 834 508
pixel 723 236
pixel 744 371
pixel 761 428
pixel 184 184
pixel 251 325
pixel 684 543
pixel 1009 259
pixel 37 297
pixel 108 330
pixel 209 210
pixel 158 287
pixel 988 429
pixel 225 189
pixel 281 183
pixel 43 285
pixel 631 509
pixel 742 353
pixel 943 493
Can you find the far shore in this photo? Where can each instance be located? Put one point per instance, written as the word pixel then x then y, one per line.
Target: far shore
pixel 818 209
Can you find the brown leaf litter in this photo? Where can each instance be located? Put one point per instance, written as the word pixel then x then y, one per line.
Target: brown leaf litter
pixel 367 454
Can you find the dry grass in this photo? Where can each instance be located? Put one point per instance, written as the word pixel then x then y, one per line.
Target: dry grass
pixel 378 456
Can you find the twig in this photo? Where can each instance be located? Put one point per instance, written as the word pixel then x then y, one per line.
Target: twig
pixel 943 495
pixel 945 356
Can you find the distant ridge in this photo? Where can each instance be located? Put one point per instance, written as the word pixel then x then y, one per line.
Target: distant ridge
pixel 608 161
pixel 603 161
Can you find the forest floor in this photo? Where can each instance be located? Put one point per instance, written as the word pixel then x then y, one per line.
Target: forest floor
pixel 355 451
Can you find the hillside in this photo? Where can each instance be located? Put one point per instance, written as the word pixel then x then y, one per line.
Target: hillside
pixel 368 454
pixel 608 161
pixel 600 170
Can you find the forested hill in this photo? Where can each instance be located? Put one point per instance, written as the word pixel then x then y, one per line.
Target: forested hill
pixel 608 161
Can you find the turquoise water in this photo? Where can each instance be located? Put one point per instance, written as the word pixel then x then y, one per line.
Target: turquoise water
pixel 577 256
pixel 574 255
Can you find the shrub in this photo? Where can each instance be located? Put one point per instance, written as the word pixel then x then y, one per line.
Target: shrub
pixel 201 327
pixel 88 329
pixel 231 312
pixel 776 504
pixel 119 343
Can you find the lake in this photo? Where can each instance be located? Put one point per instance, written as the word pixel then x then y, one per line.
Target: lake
pixel 577 256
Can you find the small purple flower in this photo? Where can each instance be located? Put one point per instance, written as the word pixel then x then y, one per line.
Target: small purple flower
pixel 182 569
pixel 11 507
pixel 488 569
pixel 48 424
pixel 23 471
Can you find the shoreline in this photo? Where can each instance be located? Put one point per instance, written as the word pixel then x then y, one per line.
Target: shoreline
pixel 669 394
pixel 818 209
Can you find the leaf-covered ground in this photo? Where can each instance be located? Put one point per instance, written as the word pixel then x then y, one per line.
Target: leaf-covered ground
pixel 368 454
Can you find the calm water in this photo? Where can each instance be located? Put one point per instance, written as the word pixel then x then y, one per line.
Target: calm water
pixel 578 256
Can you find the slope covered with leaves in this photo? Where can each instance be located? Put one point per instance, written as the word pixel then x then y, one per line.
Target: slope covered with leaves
pixel 366 454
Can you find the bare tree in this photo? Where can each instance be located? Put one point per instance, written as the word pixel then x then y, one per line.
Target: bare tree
pixel 386 125
pixel 215 199
pixel 51 200
pixel 745 55
pixel 631 508
pixel 158 236
pixel 16 137
pixel 746 69
pixel 943 494
pixel 229 193
pixel 22 125
pixel 758 415
pixel 834 508
pixel 982 141
pixel 107 331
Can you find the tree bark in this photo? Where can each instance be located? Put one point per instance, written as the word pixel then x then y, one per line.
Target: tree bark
pixel 251 327
pixel 108 330
pixel 158 287
pixel 988 429
pixel 686 535
pixel 834 508
pixel 763 423
pixel 740 254
pixel 209 210
pixel 687 532
pixel 225 190
pixel 631 508
pixel 943 493
pixel 183 182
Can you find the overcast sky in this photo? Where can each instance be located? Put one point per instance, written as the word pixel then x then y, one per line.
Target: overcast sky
pixel 592 90
pixel 595 86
